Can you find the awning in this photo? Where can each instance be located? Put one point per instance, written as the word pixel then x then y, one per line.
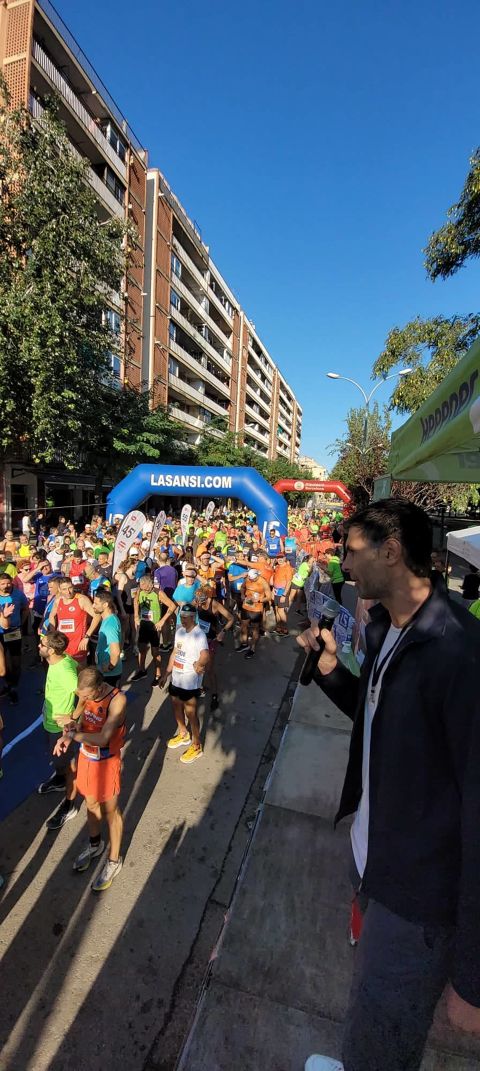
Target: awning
pixel 441 441
pixel 466 543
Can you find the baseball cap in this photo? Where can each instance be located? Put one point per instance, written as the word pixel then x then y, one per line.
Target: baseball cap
pixel 133 552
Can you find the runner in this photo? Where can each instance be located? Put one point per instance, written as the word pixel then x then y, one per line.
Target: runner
pixel 70 615
pixel 282 578
pixel 255 592
pixel 60 688
pixel 77 572
pixel 335 573
pixel 150 618
pixel 13 613
pixel 100 713
pixel 273 543
pixel 109 637
pixel 126 586
pixel 186 589
pixel 187 665
pixel 209 611
pixel 295 589
pixel 237 572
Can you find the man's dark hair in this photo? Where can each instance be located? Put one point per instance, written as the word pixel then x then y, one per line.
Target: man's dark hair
pixel 56 641
pixel 402 520
pixel 105 596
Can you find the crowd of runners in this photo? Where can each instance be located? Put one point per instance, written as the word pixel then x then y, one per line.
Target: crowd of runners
pixel 168 607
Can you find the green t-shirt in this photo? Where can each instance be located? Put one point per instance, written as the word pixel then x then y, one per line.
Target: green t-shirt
pixel 104 548
pixel 60 689
pixel 334 570
pixel 221 539
pixel 149 606
pixel 301 575
pixel 475 609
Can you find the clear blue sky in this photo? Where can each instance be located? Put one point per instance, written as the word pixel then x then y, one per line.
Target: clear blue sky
pixel 317 145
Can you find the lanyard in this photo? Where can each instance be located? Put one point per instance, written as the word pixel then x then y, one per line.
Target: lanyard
pixel 379 667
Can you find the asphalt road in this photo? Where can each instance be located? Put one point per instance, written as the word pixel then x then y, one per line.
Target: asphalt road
pixel 103 981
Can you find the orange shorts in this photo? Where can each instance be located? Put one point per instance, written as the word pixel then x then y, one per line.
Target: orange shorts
pixel 99 779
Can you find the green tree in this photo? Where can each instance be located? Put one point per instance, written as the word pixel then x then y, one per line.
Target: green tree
pixel 358 462
pixel 459 238
pixel 58 265
pixel 432 348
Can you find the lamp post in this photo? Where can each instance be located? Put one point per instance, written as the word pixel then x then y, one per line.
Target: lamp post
pixel 367 397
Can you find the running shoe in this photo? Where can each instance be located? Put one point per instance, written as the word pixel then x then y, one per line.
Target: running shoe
pixel 192 754
pixel 107 875
pixel 242 647
pixel 54 783
pixel 250 653
pixel 164 647
pixel 65 812
pixel 323 1063
pixel 82 862
pixel 156 682
pixel 179 740
pixel 139 675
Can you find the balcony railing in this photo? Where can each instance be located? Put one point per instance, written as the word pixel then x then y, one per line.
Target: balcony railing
pixel 195 395
pixel 68 94
pixel 198 368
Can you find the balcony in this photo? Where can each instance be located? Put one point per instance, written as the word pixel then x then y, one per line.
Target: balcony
pixel 255 398
pixel 110 202
pixel 267 387
pixel 202 313
pixel 264 365
pixel 57 80
pixel 194 395
pixel 192 421
pixel 257 417
pixel 195 334
pixel 257 435
pixel 198 368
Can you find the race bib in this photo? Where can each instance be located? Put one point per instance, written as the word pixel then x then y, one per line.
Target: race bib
pixel 204 625
pixel 76 580
pixel 91 751
pixel 67 626
pixel 146 615
pixel 14 634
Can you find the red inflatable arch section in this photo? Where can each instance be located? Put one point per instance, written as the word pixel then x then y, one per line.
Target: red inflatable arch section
pixel 326 486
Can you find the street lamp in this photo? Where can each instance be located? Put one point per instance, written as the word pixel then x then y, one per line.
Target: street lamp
pixel 368 397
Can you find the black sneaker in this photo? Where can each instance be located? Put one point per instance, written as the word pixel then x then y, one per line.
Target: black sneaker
pixel 55 783
pixel 164 647
pixel 139 675
pixel 242 647
pixel 214 701
pixel 65 812
pixel 156 682
pixel 250 653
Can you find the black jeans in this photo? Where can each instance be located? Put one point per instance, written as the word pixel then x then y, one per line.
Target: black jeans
pixel 401 969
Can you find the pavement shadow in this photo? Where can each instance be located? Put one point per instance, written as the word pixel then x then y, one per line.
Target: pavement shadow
pixel 34 946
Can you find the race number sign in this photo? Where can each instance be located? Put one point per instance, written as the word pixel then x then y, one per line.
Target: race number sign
pixel 130 527
pixel 157 528
pixel 184 522
pixel 209 510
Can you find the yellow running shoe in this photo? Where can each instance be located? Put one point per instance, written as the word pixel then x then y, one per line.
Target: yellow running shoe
pixel 180 740
pixel 192 754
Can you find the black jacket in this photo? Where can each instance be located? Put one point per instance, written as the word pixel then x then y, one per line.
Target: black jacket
pixel 424 826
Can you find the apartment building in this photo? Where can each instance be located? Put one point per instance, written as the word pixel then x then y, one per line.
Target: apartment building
pixel 181 331
pixel 201 354
pixel 40 57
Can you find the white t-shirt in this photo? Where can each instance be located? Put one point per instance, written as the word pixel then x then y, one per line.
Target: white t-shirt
pixel 55 558
pixel 188 648
pixel 26 524
pixel 359 830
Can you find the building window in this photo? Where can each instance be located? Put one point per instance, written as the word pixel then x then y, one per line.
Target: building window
pixel 175 300
pixel 172 331
pixel 114 366
pixel 176 266
pixel 114 139
pixel 114 185
pixel 173 367
pixel 112 320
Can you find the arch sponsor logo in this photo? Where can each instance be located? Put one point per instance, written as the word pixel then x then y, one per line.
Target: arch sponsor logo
pixel 450 408
pixel 190 481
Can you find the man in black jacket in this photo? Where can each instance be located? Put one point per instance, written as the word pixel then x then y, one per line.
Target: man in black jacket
pixel 413 784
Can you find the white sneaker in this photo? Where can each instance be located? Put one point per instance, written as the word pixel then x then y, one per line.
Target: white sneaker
pixel 82 862
pixel 107 875
pixel 323 1063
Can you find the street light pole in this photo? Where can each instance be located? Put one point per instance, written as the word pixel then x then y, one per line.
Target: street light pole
pixel 368 397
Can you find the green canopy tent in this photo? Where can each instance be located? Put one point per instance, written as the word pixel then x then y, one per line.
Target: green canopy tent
pixel 440 443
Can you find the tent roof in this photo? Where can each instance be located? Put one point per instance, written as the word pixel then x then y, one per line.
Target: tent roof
pixel 441 441
pixel 466 543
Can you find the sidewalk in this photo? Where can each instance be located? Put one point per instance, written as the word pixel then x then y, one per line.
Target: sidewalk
pixel 277 988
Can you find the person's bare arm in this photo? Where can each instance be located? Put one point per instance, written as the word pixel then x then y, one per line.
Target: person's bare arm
pixel 115 718
pixel 223 612
pixel 169 603
pixel 87 605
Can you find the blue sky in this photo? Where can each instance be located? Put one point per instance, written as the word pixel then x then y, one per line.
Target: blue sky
pixel 317 145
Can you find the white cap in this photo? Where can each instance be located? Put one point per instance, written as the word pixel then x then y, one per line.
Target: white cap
pixel 133 552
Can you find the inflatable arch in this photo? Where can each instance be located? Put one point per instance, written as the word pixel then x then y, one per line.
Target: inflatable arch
pixel 325 486
pixel 269 507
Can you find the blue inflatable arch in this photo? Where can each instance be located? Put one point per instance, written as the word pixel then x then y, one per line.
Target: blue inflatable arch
pixel 269 507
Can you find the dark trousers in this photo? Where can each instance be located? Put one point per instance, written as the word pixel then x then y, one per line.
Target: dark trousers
pixel 337 591
pixel 401 969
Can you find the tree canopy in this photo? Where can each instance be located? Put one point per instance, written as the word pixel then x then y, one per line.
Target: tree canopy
pixel 459 238
pixel 359 462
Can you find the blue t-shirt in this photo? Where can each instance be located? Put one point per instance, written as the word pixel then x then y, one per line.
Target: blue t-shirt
pixel 236 570
pixel 110 631
pixel 40 595
pixel 183 593
pixel 274 546
pixel 140 570
pixel 98 582
pixel 20 601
